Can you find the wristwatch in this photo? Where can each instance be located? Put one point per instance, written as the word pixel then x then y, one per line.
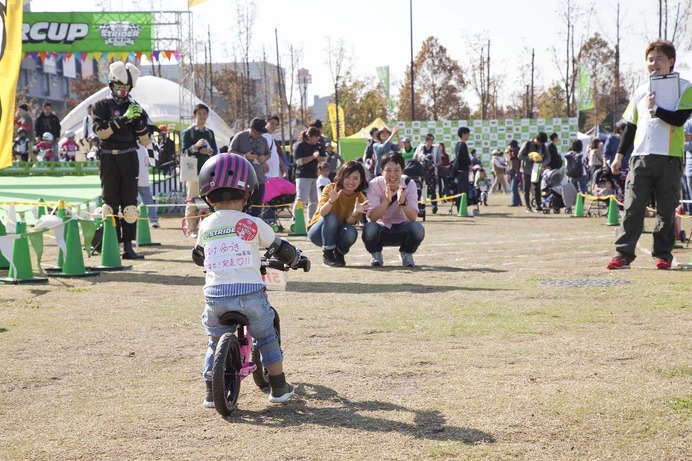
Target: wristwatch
pixel 652 111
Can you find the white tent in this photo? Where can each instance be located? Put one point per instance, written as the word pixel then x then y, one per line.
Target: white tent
pixel 160 99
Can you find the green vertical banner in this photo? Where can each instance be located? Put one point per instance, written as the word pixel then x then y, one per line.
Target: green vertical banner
pixel 87 32
pixel 585 93
pixel 383 75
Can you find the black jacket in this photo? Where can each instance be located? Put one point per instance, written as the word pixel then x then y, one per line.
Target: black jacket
pixel 47 124
pixel 462 163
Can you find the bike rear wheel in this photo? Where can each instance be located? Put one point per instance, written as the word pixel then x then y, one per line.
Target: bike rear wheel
pixel 260 375
pixel 226 374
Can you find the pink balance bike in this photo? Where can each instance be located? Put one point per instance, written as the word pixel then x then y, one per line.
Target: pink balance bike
pixel 235 357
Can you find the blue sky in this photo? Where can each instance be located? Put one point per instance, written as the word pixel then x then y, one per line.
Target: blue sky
pixel 376 33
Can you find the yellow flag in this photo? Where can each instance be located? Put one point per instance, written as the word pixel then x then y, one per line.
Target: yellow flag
pixel 191 3
pixel 11 18
pixel 332 115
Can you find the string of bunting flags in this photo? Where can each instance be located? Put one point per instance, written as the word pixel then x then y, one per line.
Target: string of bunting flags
pixel 83 56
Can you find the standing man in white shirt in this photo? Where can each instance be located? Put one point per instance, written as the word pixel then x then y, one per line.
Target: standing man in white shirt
pixel 655 164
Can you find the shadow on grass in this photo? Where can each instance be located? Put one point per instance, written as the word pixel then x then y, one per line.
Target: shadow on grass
pixel 430 268
pixel 351 287
pixel 333 410
pixel 154 277
pixel 4 330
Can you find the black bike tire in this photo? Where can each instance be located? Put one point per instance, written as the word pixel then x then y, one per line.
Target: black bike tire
pixel 260 375
pixel 226 374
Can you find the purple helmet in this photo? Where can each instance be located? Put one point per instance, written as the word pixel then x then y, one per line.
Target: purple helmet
pixel 226 171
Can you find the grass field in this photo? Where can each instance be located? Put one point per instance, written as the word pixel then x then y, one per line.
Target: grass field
pixel 509 341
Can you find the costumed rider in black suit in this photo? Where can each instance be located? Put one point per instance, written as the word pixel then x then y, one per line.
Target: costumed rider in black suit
pixel 120 123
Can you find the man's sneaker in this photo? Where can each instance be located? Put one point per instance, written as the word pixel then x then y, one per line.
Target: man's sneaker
pixel 406 259
pixel 662 264
pixel 209 399
pixel 377 259
pixel 281 394
pixel 155 225
pixel 619 262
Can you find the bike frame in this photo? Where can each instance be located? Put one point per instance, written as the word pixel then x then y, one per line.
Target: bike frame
pixel 245 340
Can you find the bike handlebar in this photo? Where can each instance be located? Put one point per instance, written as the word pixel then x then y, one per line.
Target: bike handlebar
pixel 303 263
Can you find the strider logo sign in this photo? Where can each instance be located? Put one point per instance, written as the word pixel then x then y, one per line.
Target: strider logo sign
pixel 120 33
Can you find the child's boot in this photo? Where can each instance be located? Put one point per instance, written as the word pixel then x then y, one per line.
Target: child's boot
pixel 281 390
pixel 209 399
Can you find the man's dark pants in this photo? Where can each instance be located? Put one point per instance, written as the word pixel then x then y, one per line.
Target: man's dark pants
pixel 650 174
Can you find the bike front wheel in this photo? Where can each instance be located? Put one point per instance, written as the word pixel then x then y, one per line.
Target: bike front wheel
pixel 260 375
pixel 226 374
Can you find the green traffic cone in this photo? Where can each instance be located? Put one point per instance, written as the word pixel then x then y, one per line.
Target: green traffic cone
pixel 74 259
pixel 4 263
pixel 613 214
pixel 298 228
pixel 143 232
pixel 463 207
pixel 579 208
pixel 41 209
pixel 110 249
pixel 21 258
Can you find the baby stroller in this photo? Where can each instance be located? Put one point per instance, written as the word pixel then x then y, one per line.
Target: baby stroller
pixel 417 173
pixel 279 195
pixel 601 177
pixel 551 191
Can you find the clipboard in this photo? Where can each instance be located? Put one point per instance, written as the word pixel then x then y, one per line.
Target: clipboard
pixel 667 89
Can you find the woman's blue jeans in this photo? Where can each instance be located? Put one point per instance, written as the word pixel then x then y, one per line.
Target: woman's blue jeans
pixel 329 234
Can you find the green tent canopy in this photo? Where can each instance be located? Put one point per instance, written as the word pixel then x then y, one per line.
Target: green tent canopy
pixel 352 147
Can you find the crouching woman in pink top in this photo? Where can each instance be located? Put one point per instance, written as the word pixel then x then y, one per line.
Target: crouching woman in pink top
pixel 393 209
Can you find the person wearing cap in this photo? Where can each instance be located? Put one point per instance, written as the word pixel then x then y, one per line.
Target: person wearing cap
pixel 383 145
pixel 254 147
pixel 406 150
pixel 23 120
pixel 197 141
pixel 166 160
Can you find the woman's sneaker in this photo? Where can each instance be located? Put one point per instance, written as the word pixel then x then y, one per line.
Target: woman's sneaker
pixel 339 256
pixel 329 259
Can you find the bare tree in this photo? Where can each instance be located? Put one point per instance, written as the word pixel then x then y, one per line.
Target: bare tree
pixel 245 19
pixel 335 60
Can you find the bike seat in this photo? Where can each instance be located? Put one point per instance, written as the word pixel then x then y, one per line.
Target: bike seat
pixel 233 318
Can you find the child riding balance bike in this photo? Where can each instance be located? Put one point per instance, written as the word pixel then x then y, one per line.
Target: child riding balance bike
pixel 228 247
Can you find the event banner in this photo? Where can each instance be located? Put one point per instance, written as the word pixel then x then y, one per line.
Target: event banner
pixel 10 60
pixel 87 32
pixel 487 135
